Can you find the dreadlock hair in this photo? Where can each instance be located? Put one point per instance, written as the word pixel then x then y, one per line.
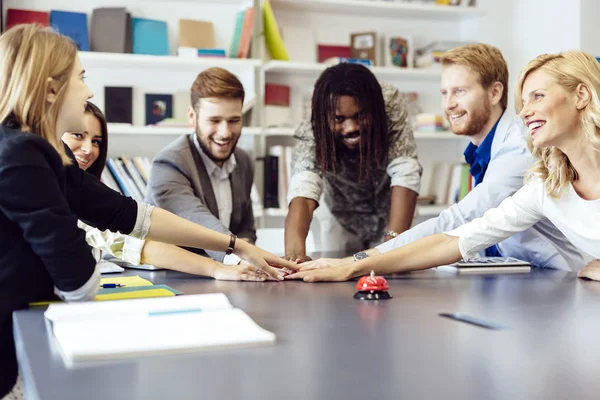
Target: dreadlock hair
pixel 357 81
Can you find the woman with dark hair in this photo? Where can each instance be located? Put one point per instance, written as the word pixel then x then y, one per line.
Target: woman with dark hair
pixel 358 150
pixel 90 147
pixel 90 150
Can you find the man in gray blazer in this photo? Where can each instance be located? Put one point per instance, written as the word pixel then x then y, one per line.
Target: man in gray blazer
pixel 202 176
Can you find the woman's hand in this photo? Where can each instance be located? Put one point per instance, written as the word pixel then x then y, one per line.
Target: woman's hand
pixel 338 273
pixel 591 271
pixel 322 263
pixel 242 272
pixel 263 260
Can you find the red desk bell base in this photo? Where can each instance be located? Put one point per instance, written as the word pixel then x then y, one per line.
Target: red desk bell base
pixel 372 295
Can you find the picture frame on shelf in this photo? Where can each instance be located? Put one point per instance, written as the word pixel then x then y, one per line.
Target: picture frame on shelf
pixel 398 51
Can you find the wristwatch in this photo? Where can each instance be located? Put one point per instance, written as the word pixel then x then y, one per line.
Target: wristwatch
pixel 361 255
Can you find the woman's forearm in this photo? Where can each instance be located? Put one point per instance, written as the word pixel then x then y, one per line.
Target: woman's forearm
pixel 169 228
pixel 172 257
pixel 428 252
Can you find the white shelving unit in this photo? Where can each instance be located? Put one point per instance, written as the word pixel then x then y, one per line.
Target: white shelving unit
pixel 379 8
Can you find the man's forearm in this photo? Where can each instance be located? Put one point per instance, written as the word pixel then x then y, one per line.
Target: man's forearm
pixel 402 209
pixel 297 224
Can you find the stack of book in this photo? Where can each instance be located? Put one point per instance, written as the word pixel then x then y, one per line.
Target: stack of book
pixel 128 177
pixel 429 123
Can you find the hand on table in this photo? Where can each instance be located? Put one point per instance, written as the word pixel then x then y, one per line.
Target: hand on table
pixel 337 273
pixel 591 271
pixel 297 258
pixel 263 260
pixel 241 272
pixel 321 263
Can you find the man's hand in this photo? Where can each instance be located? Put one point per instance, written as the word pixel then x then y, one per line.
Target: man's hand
pixel 322 263
pixel 591 271
pixel 297 258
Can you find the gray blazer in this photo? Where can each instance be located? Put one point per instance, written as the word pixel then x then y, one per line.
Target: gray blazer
pixel 180 184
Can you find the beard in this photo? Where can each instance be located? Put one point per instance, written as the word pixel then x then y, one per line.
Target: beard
pixel 477 119
pixel 204 142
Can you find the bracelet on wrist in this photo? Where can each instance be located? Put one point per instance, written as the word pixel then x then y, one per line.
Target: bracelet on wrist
pixel 231 246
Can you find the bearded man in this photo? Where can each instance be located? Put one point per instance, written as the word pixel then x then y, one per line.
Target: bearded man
pixel 202 176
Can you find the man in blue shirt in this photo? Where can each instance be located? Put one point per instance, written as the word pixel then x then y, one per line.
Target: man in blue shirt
pixel 474 97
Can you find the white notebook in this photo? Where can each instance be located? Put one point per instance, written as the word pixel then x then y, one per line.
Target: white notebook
pixel 488 265
pixel 117 329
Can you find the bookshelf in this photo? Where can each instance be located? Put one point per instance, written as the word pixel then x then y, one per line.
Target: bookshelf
pixel 379 8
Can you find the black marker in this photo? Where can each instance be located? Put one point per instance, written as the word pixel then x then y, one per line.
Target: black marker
pixel 472 320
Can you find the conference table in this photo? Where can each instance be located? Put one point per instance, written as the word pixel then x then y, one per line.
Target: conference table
pixel 332 346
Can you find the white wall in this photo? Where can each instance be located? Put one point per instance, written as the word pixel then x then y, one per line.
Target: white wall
pixel 589 31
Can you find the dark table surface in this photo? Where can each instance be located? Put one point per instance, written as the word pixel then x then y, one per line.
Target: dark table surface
pixel 331 346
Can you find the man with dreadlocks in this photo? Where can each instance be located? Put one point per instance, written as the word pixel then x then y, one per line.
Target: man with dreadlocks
pixel 358 150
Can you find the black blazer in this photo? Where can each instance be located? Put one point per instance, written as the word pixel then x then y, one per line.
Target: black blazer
pixel 41 246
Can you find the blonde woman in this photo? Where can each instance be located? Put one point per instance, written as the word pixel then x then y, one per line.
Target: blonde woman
pixel 42 193
pixel 557 97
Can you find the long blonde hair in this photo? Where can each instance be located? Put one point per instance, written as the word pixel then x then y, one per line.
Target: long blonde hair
pixel 29 55
pixel 569 69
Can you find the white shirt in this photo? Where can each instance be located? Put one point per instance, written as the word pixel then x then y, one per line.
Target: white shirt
pixel 221 185
pixel 542 245
pixel 575 217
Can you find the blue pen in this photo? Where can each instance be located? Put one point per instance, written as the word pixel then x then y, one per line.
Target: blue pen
pixel 111 285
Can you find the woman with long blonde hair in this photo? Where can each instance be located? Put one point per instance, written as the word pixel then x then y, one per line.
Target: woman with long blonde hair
pixel 557 97
pixel 43 193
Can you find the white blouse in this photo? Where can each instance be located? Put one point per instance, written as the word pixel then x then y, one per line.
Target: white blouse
pixel 576 218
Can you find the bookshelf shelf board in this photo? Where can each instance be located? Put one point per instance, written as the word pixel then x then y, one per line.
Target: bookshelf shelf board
pixel 91 59
pixel 386 73
pixel 276 212
pixel 152 130
pixel 283 131
pixel 380 8
pixel 443 135
pixel 430 210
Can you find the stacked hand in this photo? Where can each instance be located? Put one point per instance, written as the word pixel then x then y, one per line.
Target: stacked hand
pixel 591 271
pixel 323 269
pixel 264 261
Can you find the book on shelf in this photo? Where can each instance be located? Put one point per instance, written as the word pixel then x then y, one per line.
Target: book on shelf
pixel 278 172
pixel 149 36
pixel 158 107
pixel 127 176
pixel 364 46
pixel 86 331
pixel 196 34
pixel 15 16
pixel 111 30
pixel 451 183
pixel 242 33
pixel 73 25
pixel 192 52
pixel 118 104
